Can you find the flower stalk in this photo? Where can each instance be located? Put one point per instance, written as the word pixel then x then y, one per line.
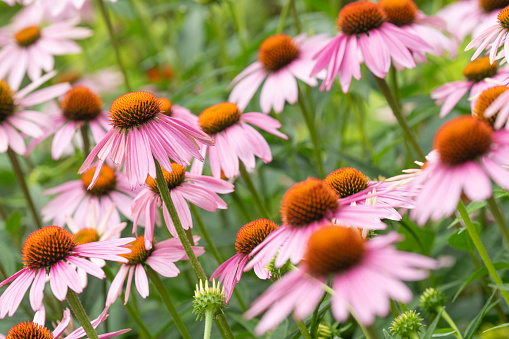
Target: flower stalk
pixel 79 311
pixel 254 193
pixel 86 140
pixel 499 218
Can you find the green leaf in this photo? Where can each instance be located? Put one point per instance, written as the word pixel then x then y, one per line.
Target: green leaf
pixel 416 238
pixel 471 208
pixel 13 223
pixel 461 240
pixel 279 332
pixel 496 327
pixel 474 324
pixel 431 329
pixel 477 274
pixel 387 335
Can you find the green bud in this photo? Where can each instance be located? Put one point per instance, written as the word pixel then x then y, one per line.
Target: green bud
pixel 406 324
pixel 432 299
pixel 208 298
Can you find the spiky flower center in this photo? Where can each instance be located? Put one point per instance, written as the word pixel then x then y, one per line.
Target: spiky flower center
pixel 431 299
pixel 400 12
pixel 277 51
pixel 219 117
pixel 81 104
pixel 47 246
pixel 29 330
pixel 407 324
pixel 484 100
pixel 106 181
pixel 252 234
pixel 134 109
pixel 491 5
pixel 69 76
pixel 503 17
pixel 86 235
pixel 360 17
pixel 462 139
pixel 347 181
pixel 480 69
pixel 208 298
pixel 333 249
pixel 308 201
pixel 7 105
pixel 138 253
pixel 27 36
pixel 165 106
pixel 173 178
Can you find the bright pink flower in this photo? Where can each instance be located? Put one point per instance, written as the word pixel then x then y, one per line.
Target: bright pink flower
pixel 74 199
pixel 161 259
pixel 234 139
pixel 497 111
pixel 306 207
pixel 281 60
pixel 467 154
pixel 364 29
pixel 248 237
pixel 141 133
pixel 184 187
pixel 478 74
pixel 15 115
pixel 29 49
pixel 53 249
pixel 365 275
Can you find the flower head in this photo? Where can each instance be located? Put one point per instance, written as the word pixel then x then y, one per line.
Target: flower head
pixel 208 298
pixel 493 107
pixel 406 324
pixel 432 299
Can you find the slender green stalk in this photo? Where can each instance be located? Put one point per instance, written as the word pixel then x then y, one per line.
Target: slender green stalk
pixel 223 50
pixel 79 311
pixel 408 134
pixel 107 20
pixel 359 119
pixel 414 335
pixel 303 329
pixel 480 248
pixel 3 214
pixel 165 296
pixel 499 219
pixel 105 295
pixel 368 331
pixel 254 193
pixel 239 25
pixel 394 84
pixel 223 326
pixel 282 17
pixel 314 320
pixel 86 140
pixel 451 323
pixel 295 16
pixel 208 323
pixel 23 185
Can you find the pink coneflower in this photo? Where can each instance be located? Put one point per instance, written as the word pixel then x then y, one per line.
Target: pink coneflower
pixel 248 237
pixel 281 60
pixel 184 187
pixel 363 29
pixel 141 133
pixel 14 115
pixel 495 108
pixel 307 206
pixel 365 275
pixel 234 139
pixel 468 153
pixel 160 258
pixel 74 199
pixel 176 111
pixel 30 49
pixel 478 74
pixel 35 329
pixel 53 250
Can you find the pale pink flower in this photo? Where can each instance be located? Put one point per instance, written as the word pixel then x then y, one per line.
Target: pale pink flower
pixel 364 29
pixel 160 258
pixel 497 110
pixel 281 61
pixel 248 237
pixel 234 139
pixel 141 133
pixel 53 249
pixel 16 117
pixel 184 187
pixel 467 154
pixel 365 276
pixel 479 74
pixel 30 49
pixel 75 200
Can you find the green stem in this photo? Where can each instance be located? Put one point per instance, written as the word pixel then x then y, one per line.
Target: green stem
pixel 3 214
pixel 79 312
pixel 359 119
pixel 394 84
pixel 499 219
pixel 451 323
pixel 480 248
pixel 368 331
pixel 414 335
pixel 220 37
pixel 282 17
pixel 165 296
pixel 86 140
pixel 310 122
pixel 209 314
pixel 314 320
pixel 303 329
pixel 106 17
pixel 223 326
pixel 254 193
pixel 408 134
pixel 295 16
pixel 23 185
pixel 239 26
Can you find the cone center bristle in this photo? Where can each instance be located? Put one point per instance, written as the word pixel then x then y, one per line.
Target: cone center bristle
pixel 138 253
pixel 400 12
pixel 134 109
pixel 86 235
pixel 360 17
pixel 277 51
pixel 106 181
pixel 173 178
pixel 165 106
pixel 484 100
pixel 252 234
pixel 480 69
pixel 29 330
pixel 347 181
pixel 491 5
pixel 503 17
pixel 7 105
pixel 81 104
pixel 217 118
pixel 47 246
pixel 27 36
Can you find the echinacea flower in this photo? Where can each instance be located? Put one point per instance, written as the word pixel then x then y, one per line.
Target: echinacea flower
pixel 74 199
pixel 160 258
pixel 53 250
pixel 15 117
pixel 234 139
pixel 363 28
pixel 306 207
pixel 36 329
pixel 364 275
pixel 248 237
pixel 184 187
pixel 468 154
pixel 176 111
pixel 281 61
pixel 31 49
pixel 495 109
pixel 478 74
pixel 141 133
